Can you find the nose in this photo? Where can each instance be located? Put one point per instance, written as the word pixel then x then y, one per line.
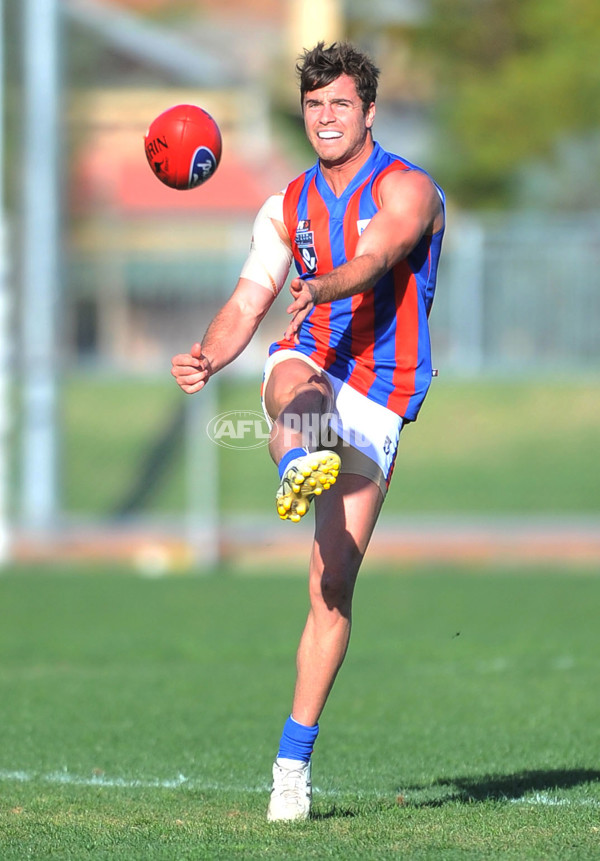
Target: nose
pixel 327 114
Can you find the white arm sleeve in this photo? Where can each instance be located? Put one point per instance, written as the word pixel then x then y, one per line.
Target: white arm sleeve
pixel 270 255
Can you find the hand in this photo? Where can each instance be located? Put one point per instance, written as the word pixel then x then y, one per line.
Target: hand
pixel 304 295
pixel 191 370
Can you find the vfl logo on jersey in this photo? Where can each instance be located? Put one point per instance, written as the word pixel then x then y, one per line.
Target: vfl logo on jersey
pixel 305 243
pixel 361 225
pixel 202 166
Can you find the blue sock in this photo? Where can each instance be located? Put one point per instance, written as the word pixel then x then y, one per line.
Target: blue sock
pixel 297 741
pixel 288 457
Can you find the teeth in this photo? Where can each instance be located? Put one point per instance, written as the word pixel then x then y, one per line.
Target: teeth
pixel 330 135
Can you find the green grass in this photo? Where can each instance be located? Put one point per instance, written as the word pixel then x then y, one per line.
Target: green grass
pixel 486 447
pixel 472 697
pixel 108 428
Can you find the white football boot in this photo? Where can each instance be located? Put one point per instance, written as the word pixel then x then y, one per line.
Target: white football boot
pixel 306 476
pixel 291 794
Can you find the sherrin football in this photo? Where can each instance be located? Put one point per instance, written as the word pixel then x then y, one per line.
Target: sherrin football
pixel 183 146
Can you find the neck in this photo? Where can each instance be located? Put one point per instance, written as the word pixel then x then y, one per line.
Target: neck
pixel 339 175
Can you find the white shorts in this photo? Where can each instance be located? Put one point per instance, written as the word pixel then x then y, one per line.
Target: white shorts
pixel 363 433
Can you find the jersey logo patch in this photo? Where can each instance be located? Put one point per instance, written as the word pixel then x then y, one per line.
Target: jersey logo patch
pixel 305 242
pixel 361 225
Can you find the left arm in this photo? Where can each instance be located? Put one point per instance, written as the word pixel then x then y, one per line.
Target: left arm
pixel 410 208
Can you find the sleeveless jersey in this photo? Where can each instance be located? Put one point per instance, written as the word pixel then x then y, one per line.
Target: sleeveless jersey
pixel 376 341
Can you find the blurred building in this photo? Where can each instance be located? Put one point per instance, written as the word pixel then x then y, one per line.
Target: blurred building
pixel 148 266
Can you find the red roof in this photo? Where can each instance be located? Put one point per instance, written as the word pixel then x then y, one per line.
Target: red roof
pixel 116 178
pixel 233 187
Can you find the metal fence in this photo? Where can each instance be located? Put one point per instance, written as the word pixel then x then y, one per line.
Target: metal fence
pixel 519 294
pixel 516 294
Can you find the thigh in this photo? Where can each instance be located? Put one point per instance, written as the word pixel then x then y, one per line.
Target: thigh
pixel 370 430
pixel 345 517
pixel 355 461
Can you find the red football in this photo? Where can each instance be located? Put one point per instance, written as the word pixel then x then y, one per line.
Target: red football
pixel 183 146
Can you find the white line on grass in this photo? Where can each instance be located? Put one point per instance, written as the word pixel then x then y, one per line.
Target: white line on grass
pixel 544 800
pixel 65 778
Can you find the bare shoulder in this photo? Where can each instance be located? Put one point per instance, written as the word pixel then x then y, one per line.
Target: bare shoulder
pixel 409 183
pixel 411 189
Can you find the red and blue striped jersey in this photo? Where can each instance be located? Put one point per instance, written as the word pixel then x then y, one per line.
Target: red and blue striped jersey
pixel 376 341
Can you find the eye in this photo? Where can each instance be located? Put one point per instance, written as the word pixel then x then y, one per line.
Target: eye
pixel 342 106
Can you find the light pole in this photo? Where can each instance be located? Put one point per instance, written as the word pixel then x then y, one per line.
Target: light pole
pixel 40 268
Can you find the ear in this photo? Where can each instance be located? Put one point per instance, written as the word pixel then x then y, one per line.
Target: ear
pixel 370 115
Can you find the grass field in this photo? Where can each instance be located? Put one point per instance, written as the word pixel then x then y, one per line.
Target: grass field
pixel 479 446
pixel 139 717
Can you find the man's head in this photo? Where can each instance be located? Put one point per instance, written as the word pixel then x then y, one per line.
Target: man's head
pixel 321 66
pixel 338 86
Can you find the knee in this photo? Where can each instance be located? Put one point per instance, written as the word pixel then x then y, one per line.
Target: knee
pixel 309 396
pixel 333 589
pixel 294 383
pixel 337 593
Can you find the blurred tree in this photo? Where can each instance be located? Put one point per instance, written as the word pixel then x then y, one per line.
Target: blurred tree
pixel 514 78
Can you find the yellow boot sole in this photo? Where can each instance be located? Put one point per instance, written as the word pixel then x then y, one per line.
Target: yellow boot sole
pixel 306 477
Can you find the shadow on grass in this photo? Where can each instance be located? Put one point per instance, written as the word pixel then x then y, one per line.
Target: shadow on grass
pixel 497 787
pixel 334 813
pixel 467 790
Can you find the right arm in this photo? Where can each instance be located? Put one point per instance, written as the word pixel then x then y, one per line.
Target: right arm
pixel 230 332
pixel 227 336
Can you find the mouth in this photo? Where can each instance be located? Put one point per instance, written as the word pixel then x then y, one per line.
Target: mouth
pixel 329 136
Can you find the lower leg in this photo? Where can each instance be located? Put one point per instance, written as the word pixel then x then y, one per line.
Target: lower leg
pixel 295 390
pixel 320 655
pixel 295 437
pixel 297 423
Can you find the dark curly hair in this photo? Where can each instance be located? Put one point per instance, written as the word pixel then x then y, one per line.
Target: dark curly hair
pixel 320 66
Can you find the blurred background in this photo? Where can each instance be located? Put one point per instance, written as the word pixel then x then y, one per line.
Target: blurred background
pixel 105 273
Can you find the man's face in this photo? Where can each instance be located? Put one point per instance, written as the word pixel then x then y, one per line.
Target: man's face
pixel 334 120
